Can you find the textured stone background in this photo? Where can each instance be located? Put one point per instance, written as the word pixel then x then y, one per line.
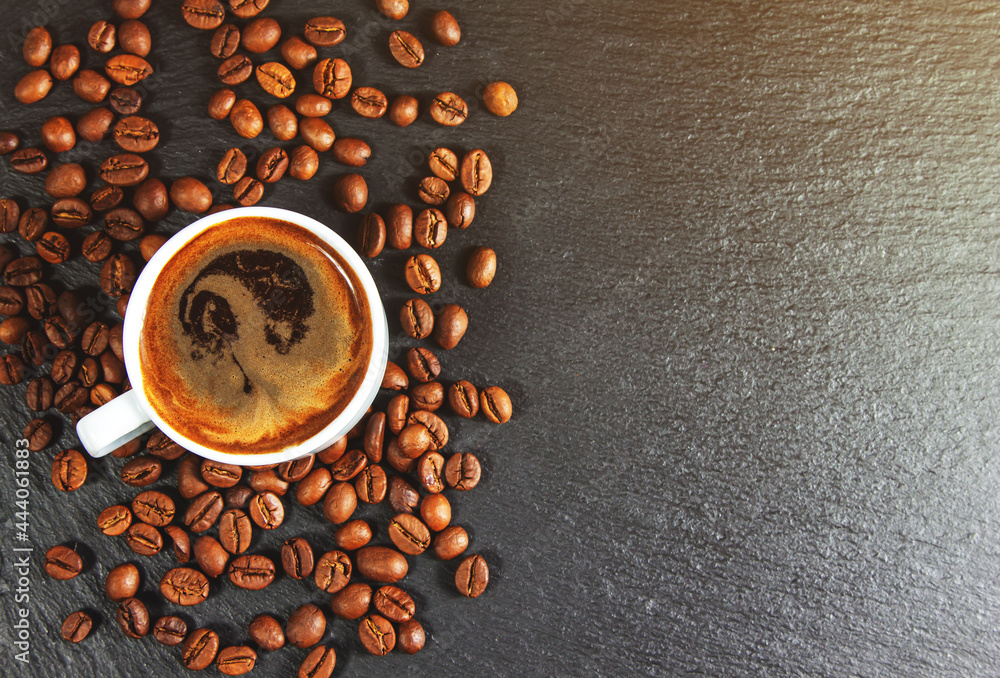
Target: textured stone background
pixel 746 309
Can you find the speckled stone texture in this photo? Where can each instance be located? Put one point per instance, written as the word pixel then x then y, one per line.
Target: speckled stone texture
pixel 746 309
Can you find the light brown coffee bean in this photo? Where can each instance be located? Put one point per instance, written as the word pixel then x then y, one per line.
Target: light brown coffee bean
pixel 37 46
pixel 221 103
pixel 472 576
pixel 206 15
pixel 210 555
pixel 445 29
pixel 449 109
pixel 332 78
pixel 340 502
pixel 423 274
pixel 317 133
pixel 33 87
pixel 102 36
pixel 246 119
pixel 260 35
pixel 394 9
pixel 298 53
pixel 352 601
pixel 333 571
pixel 430 229
pixel 325 31
pixel 443 163
pixel 350 193
pixel 371 235
pixel 450 326
pixel 351 152
pixel 381 564
pixel 476 172
pixel 276 79
pixel 495 404
pixel 403 110
pixel 282 122
pixel 303 162
pixel 369 102
pixel 127 69
pixel 406 49
pixel 58 135
pixel 409 534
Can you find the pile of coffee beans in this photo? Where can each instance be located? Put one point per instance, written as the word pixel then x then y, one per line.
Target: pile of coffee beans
pixel 66 345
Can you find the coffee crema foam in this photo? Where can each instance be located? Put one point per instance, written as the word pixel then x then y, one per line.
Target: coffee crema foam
pixel 257 335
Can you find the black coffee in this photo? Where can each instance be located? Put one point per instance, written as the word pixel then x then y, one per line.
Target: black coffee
pixel 256 337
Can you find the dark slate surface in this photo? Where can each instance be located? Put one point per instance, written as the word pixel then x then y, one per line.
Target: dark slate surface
pixel 746 309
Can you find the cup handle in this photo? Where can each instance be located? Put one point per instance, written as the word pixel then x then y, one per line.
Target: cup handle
pixel 113 424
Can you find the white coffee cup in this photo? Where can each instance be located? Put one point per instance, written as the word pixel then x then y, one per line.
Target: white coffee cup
pixel 131 414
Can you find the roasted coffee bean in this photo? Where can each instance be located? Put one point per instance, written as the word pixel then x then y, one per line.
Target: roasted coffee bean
pixel 90 375
pixel 476 172
pixel 159 445
pixel 394 378
pixel 444 163
pixel 397 460
pixel 33 223
pixel 33 87
pixel 94 125
pixel 464 399
pixel 151 199
pixel 246 9
pixel 10 214
pixel 445 29
pixel 317 133
pixel 125 100
pixel 38 432
pixel 127 69
pixel 225 41
pixel 252 572
pixel 298 53
pixel 427 396
pixel 296 469
pixel 40 393
pixel 374 436
pixel 472 576
pixel 266 631
pixel 422 365
pixel 181 542
pixel 352 601
pixel 132 617
pixel 122 582
pixel 64 366
pixel 403 497
pixel 170 630
pixel 399 226
pixel 332 78
pixel 413 440
pixel 235 531
pixel 232 167
pixel 319 663
pixel 406 49
pixel 349 465
pixel 64 62
pixel 202 645
pixel 313 487
pixel 236 69
pixel 11 300
pixel 272 164
pixel 369 102
pixel 325 31
pixel 313 105
pixel 144 539
pixel 236 660
pixel 433 191
pixel 211 557
pixel 430 471
pixel 410 637
pixel 69 470
pixel 350 193
pixel 154 508
pixel 94 340
pixel 353 535
pixel 267 511
pixel 248 191
pixel 42 302
pixel 76 627
pixel 351 152
pixel 371 235
pixel 268 481
pixel 28 160
pixel 90 86
pixel 340 501
pixel 115 341
pixel 118 275
pixel 34 349
pixel 261 35
pixel 206 15
pixel 333 571
pixel 191 195
pixel 114 520
pixel 124 224
pixel 113 370
pixel 237 497
pixel 134 38
pixel 246 119
pixel 449 109
pixel 96 246
pixel 409 534
pixel 334 452
pixel 417 319
pixel 37 46
pixel 71 213
pixel 403 110
pixel 124 169
pixel 58 134
pixel 297 558
pixel 371 484
pixel 303 162
pixel 482 267
pixel 101 37
pixel 305 626
pixel 282 122
pixel 130 9
pixel 8 142
pixel 203 511
pixel 377 635
pixel 423 274
pixel 221 103
pixel 70 397
pixel 394 603
pixel 450 326
pixel 430 228
pixel 500 98
pixel 184 586
pixel 495 404
pixel 381 564
pixel 136 134
pixel 435 510
pixel 394 9
pixel 150 244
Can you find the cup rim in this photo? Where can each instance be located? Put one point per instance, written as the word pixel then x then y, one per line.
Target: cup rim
pixel 354 409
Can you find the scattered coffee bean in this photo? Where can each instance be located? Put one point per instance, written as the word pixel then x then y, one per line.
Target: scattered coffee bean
pixel 427 396
pixel 246 9
pixel 377 635
pixel 369 102
pixel 394 603
pixel 403 497
pixel 130 9
pixel 71 212
pixel 10 214
pixel 136 134
pixel 124 169
pixel 154 508
pixel 430 228
pixel 276 79
pixel 252 572
pixel 495 404
pixel 96 246
pixel 40 393
pixel 118 275
pixel 371 235
pixel 350 193
pixel 37 46
pixel 101 37
pixel 28 161
pixel 331 78
pixel 191 195
pixel 298 53
pixel 225 41
pixel 410 637
pixel 450 326
pixel 134 38
pixel 170 630
pixel 464 399
pixel 267 511
pixel 476 172
pixel 403 110
pixel 246 119
pixel 353 535
pixel 433 191
pixel 333 571
pixel 313 105
pixel 237 497
pixel 305 626
pixel 33 87
pixel 64 62
pixel 317 133
pixel 325 31
pixel 445 28
pixel 500 98
pixel 203 511
pixel 340 502
pixel 472 576
pixel 69 470
pixel 232 167
pixel 260 35
pixel 235 70
pixel 91 86
pixel 236 660
pixel 144 539
pixel 282 122
pixel 38 432
pixel 449 109
pixel 8 142
pixel 221 103
pixel 394 9
pixel 114 520
pixel 435 510
pixel 58 134
pixel 121 582
pixel 132 617
pixel 266 632
pixel 430 472
pixel 202 645
pixel 64 366
pixel 423 274
pixel 33 223
pixel 206 15
pixel 406 49
pixel 124 224
pixel 272 164
pixel 210 555
pixel 125 100
pixel 181 542
pixel 319 663
pixel 95 124
pixel 53 248
pixel 235 531
pixel 297 558
pixel 413 440
pixel 422 364
pixel 12 330
pixel 76 627
pixel 184 586
pixel 381 564
pixel 409 534
pixel 127 69
pixel 443 162
pixel 303 162
pixel 62 562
